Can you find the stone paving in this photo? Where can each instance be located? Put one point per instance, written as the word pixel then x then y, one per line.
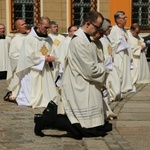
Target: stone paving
pixel 131 131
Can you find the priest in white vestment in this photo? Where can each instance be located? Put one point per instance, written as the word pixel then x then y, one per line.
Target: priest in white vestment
pixel 37 85
pixel 80 110
pixel 57 41
pixel 63 52
pixel 65 44
pixel 100 58
pixel 4 47
pixel 14 52
pixel 122 53
pixel 81 91
pixel 113 81
pixel 141 72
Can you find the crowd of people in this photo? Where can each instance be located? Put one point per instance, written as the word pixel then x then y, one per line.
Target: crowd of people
pixel 73 78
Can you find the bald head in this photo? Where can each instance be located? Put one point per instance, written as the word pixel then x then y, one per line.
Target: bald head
pixel 21 26
pixel 43 25
pixel 44 18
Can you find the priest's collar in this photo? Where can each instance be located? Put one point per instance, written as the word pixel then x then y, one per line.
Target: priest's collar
pixel 54 34
pixel 122 28
pixel 2 36
pixel 40 34
pixel 88 36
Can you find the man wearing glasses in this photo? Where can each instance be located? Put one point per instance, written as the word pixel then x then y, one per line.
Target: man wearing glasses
pixel 81 110
pixel 122 53
pixel 83 75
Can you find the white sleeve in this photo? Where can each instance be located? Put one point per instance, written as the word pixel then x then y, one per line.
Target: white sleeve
pixel 40 66
pixel 122 45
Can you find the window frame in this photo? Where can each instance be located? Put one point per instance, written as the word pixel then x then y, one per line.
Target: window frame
pixel 94 4
pixel 37 14
pixel 147 28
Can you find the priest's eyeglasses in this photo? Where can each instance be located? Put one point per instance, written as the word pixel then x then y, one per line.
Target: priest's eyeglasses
pixel 97 27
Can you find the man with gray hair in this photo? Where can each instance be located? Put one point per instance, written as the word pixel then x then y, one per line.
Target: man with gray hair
pixel 113 81
pixel 121 48
pixel 57 41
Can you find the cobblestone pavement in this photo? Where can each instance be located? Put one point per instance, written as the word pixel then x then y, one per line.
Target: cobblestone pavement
pixel 16 127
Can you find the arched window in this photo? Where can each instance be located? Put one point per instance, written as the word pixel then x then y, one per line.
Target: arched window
pixel 80 8
pixel 29 10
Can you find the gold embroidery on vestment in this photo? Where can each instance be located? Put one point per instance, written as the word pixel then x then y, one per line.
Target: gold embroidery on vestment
pixel 56 42
pixel 139 43
pixel 44 50
pixel 109 50
pixel 99 53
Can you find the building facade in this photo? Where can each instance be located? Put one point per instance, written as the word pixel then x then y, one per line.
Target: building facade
pixel 67 12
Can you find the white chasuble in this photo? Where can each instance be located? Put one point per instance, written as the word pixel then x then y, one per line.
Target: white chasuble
pixel 64 50
pixel 141 72
pixel 83 75
pixel 122 56
pixel 14 52
pixel 57 42
pixel 37 87
pixel 4 59
pixel 113 81
pixel 100 58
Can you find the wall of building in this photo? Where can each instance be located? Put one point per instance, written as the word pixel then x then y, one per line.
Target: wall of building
pixel 3 12
pixel 104 8
pixel 56 10
pixel 59 10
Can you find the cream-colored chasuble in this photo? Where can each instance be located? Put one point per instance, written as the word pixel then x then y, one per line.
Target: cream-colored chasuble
pixel 14 52
pixel 141 72
pixel 4 58
pixel 57 42
pixel 37 85
pixel 122 56
pixel 113 81
pixel 83 75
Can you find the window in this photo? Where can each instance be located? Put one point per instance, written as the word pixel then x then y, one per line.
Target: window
pixel 141 13
pixel 29 10
pixel 80 8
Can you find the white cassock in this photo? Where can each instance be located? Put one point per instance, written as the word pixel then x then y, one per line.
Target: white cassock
pixel 122 57
pixel 81 95
pixel 36 80
pixel 141 72
pixel 64 50
pixel 14 52
pixel 57 41
pixel 100 58
pixel 113 81
pixel 4 59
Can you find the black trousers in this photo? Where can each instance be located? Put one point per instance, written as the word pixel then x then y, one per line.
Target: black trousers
pixel 50 119
pixel 3 75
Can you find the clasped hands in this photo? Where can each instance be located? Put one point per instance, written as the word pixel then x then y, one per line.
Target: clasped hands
pixel 143 47
pixel 49 58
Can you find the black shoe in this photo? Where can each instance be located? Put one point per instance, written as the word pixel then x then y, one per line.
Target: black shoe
pixel 37 118
pixel 38 125
pixel 38 130
pixel 45 120
pixel 8 94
